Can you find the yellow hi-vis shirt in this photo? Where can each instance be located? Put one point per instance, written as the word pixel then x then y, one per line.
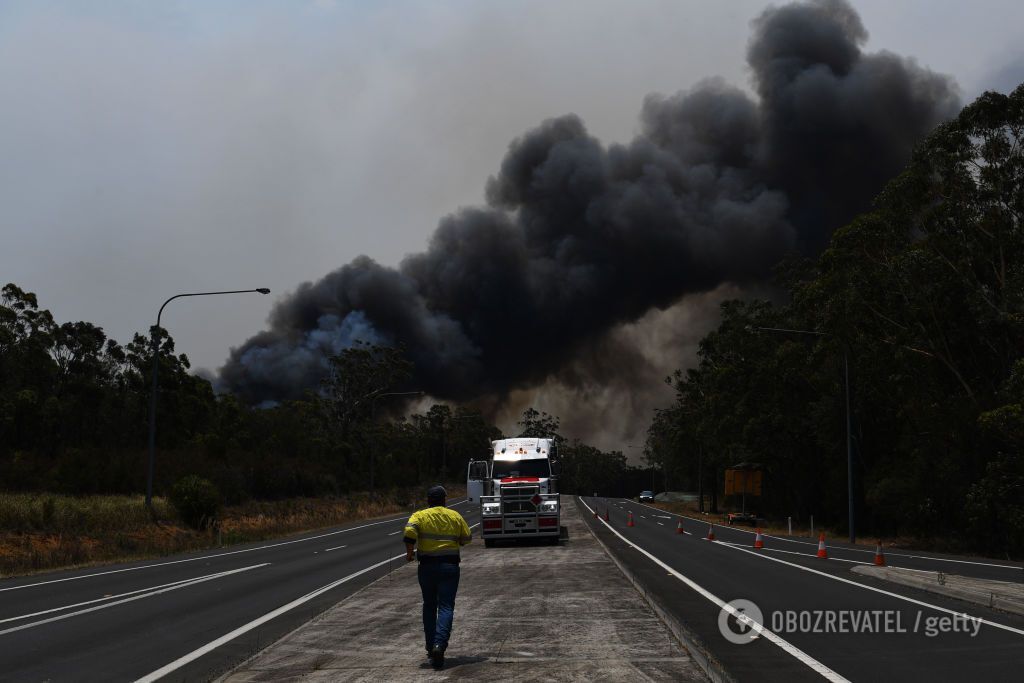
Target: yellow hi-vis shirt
pixel 439 531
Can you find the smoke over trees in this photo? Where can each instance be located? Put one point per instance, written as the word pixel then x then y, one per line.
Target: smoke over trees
pixel 577 238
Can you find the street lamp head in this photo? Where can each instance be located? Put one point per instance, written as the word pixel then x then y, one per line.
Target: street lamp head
pixel 263 290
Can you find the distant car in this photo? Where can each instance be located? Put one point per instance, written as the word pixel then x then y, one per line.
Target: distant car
pixel 646 496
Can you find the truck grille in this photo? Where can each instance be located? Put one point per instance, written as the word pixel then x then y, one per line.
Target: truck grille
pixel 520 490
pixel 517 498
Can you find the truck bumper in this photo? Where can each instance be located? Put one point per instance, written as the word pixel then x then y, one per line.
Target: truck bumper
pixel 519 526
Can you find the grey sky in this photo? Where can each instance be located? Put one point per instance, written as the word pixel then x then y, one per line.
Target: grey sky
pixel 150 148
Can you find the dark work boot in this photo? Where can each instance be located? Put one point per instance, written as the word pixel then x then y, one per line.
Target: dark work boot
pixel 437 657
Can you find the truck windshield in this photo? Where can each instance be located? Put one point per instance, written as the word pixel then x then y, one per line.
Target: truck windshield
pixel 521 468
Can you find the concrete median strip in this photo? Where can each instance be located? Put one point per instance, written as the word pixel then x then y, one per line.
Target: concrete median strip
pixel 528 613
pixel 1001 595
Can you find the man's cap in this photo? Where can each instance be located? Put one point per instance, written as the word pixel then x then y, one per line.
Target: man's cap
pixel 436 493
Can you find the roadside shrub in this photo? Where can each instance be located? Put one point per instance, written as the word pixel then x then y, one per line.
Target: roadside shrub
pixel 196 500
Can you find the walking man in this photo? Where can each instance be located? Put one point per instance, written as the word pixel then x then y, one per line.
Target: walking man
pixel 440 532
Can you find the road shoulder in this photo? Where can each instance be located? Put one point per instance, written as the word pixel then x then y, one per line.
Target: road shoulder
pixel 528 613
pixel 1001 595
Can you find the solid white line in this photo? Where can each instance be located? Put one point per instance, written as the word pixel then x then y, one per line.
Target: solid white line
pixel 786 646
pixel 793 552
pixel 245 628
pixel 877 590
pixel 913 557
pixel 888 554
pixel 396 532
pixel 212 557
pixel 945 559
pixel 133 598
pixel 337 547
pixel 854 550
pixel 105 598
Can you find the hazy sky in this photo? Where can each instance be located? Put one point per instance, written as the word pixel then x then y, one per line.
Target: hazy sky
pixel 149 148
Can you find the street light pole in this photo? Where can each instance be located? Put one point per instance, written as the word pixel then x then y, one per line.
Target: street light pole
pixel 849 430
pixel 700 478
pixel 849 444
pixel 155 343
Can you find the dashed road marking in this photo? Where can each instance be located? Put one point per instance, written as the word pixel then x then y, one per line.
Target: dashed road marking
pixel 157 591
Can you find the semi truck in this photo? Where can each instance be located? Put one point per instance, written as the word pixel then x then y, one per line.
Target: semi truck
pixel 516 490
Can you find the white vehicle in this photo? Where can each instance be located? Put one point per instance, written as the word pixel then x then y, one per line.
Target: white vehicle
pixel 516 490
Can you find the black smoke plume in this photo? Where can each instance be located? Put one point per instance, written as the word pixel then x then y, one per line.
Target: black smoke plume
pixel 578 237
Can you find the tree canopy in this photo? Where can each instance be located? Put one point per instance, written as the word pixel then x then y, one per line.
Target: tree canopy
pixel 925 296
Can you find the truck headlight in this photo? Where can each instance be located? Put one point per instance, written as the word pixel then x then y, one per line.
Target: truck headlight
pixel 491 509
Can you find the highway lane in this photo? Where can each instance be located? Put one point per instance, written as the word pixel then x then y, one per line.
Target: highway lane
pixel 123 622
pixel 694 573
pixel 840 553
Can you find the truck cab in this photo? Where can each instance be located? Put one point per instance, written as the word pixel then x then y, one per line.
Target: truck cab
pixel 516 489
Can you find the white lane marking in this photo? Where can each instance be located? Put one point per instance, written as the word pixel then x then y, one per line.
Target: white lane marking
pixel 661 523
pixel 946 559
pixel 337 547
pixel 167 589
pixel 793 552
pixel 105 598
pixel 211 557
pixel 876 590
pixel 854 550
pixel 786 646
pixel 393 533
pixel 891 554
pixel 245 628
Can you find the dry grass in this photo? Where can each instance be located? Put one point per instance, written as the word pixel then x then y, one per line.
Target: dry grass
pixel 40 531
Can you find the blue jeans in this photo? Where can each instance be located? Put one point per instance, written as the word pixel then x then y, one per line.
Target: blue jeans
pixel 439 583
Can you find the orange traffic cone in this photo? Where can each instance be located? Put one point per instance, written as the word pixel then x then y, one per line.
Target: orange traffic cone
pixel 758 540
pixel 711 532
pixel 879 555
pixel 629 522
pixel 679 526
pixel 606 514
pixel 822 552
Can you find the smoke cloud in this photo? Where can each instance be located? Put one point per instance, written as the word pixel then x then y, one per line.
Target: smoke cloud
pixel 578 238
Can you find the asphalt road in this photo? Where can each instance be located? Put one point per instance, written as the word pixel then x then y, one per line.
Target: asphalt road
pixel 187 617
pixel 690 577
